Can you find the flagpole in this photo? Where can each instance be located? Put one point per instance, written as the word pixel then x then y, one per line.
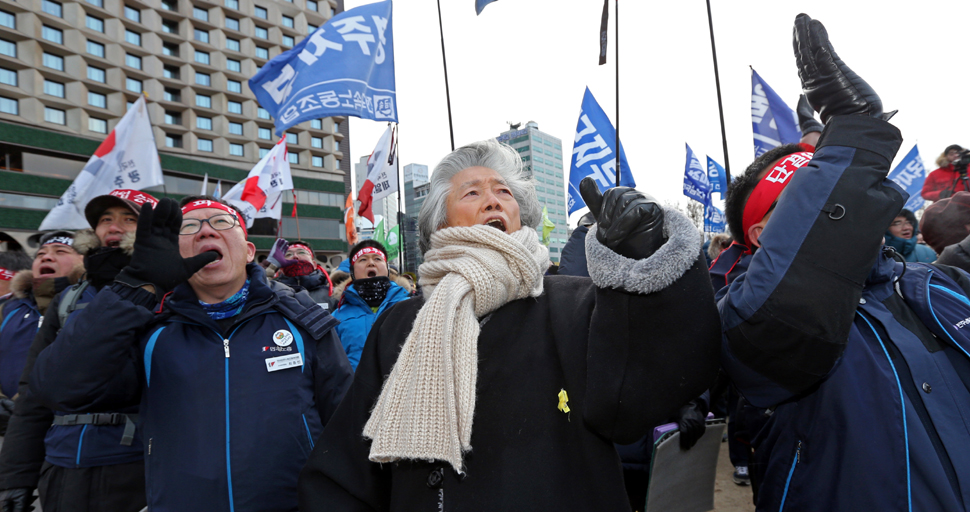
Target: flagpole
pixel 296 216
pixel 400 192
pixel 717 83
pixel 616 21
pixel 444 61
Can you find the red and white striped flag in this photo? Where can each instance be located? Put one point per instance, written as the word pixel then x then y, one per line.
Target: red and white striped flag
pixel 261 193
pixel 381 174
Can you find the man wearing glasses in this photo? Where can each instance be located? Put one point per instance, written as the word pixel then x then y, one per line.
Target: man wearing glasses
pixel 236 375
pixel 901 236
pixel 293 264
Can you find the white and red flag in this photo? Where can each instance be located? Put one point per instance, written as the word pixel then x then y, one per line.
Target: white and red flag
pixel 381 174
pixel 127 159
pixel 261 193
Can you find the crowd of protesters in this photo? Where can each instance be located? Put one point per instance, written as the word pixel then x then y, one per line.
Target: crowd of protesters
pixel 151 362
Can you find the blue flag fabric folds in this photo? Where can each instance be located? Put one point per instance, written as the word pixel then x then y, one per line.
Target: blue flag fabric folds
pixel 910 175
pixel 714 221
pixel 696 185
pixel 480 4
pixel 594 153
pixel 774 123
pixel 716 176
pixel 345 68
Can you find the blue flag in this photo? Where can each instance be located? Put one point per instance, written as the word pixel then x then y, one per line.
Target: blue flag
pixel 480 4
pixel 696 185
pixel 716 177
pixel 344 68
pixel 714 221
pixel 910 175
pixel 594 153
pixel 773 122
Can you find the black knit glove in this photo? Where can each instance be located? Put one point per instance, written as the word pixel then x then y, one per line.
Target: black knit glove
pixel 831 87
pixel 156 260
pixel 692 423
pixel 806 117
pixel 629 222
pixel 16 500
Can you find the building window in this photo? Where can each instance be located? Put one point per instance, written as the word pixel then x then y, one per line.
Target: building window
pixel 236 149
pixel 172 95
pixel 173 141
pixel 170 49
pixel 170 27
pixel 133 85
pixel 262 53
pixel 173 117
pixel 232 4
pixel 203 79
pixel 96 74
pixel 201 35
pixel 132 38
pixel 203 123
pixel 232 44
pixel 336 127
pixel 52 8
pixel 262 113
pixel 233 65
pixel 293 158
pixel 310 28
pixel 288 41
pixel 10 49
pixel 333 12
pixel 8 20
pixel 236 128
pixel 287 21
pixel 234 107
pixel 97 99
pixel 316 124
pixel 317 161
pixel 97 125
pixel 133 14
pixel 263 152
pixel 171 72
pixel 54 115
pixel 204 145
pixel 8 77
pixel 96 3
pixel 316 142
pixel 265 134
pixel 170 5
pixel 201 57
pixel 96 24
pixel 132 61
pixel 53 88
pixel 260 12
pixel 203 101
pixel 52 34
pixel 232 23
pixel 311 5
pixel 262 33
pixel 53 61
pixel 200 14
pixel 8 106
pixel 291 138
pixel 234 86
pixel 96 49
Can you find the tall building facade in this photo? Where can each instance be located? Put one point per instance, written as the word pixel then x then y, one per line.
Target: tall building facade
pixel 69 70
pixel 416 187
pixel 541 156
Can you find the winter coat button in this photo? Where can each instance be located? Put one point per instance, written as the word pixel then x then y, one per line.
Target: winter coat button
pixel 927 387
pixel 862 301
pixel 435 478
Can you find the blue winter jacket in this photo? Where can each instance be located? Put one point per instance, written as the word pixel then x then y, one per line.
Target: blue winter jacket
pixel 910 249
pixel 356 318
pixel 19 322
pixel 228 417
pixel 869 383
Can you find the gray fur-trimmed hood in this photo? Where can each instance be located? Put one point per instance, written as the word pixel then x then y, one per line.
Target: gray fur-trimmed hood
pixel 611 270
pixel 86 241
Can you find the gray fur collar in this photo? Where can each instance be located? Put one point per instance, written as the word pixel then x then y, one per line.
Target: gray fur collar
pixel 610 270
pixel 22 283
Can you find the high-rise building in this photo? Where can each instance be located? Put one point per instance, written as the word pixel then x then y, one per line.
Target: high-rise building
pixel 416 187
pixel 69 70
pixel 541 155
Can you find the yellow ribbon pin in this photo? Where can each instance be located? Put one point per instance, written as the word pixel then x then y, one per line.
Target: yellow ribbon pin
pixel 563 401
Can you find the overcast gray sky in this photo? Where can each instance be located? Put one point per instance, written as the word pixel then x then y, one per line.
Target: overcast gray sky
pixel 527 60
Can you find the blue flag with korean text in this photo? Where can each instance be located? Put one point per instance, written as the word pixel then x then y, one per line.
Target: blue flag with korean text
pixel 696 185
pixel 716 177
pixel 714 221
pixel 344 68
pixel 774 123
pixel 910 175
pixel 594 153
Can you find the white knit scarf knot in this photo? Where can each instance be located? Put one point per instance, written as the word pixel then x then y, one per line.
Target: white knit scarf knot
pixel 426 407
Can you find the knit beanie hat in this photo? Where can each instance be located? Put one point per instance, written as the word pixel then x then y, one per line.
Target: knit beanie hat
pixel 944 222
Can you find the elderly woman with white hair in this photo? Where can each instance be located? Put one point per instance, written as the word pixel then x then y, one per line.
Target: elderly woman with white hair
pixel 503 389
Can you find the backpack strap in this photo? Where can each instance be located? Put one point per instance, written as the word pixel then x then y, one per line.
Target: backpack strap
pixel 69 301
pixel 304 311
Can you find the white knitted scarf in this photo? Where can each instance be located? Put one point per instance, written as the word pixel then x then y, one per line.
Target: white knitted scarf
pixel 426 407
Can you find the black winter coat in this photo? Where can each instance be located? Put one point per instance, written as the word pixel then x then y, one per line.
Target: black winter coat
pixel 956 255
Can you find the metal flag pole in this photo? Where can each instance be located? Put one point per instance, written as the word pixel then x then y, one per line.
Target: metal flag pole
pixel 616 22
pixel 444 61
pixel 396 152
pixel 720 107
pixel 296 216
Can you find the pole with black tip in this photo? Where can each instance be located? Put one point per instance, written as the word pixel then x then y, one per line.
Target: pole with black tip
pixel 720 107
pixel 444 61
pixel 616 21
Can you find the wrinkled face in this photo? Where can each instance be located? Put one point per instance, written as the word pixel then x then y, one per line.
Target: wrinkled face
pixel 298 252
pixel 231 245
pixel 901 228
pixel 55 260
pixel 113 224
pixel 952 155
pixel 479 195
pixel 370 265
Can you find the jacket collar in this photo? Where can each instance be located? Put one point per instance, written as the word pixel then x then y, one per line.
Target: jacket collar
pixel 395 293
pixel 882 276
pixel 184 302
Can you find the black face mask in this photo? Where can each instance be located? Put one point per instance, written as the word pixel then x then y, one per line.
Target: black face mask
pixel 373 289
pixel 104 264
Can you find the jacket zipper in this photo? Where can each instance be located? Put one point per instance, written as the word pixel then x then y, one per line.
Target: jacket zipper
pixel 225 345
pixel 798 458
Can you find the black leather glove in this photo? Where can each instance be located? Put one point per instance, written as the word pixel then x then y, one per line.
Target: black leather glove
pixel 692 423
pixel 16 500
pixel 156 259
pixel 831 87
pixel 629 222
pixel 6 410
pixel 806 117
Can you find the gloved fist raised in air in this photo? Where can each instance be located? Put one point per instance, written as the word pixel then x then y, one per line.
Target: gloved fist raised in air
pixel 16 500
pixel 277 254
pixel 629 222
pixel 156 259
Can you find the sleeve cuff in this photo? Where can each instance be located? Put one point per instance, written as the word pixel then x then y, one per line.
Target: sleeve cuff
pixel 862 132
pixel 136 295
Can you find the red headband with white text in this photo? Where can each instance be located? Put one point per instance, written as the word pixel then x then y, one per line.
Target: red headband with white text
pixel 766 192
pixel 298 244
pixel 367 250
pixel 6 275
pixel 205 203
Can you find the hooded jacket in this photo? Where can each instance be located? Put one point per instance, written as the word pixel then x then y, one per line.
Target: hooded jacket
pixel 910 249
pixel 943 179
pixel 357 318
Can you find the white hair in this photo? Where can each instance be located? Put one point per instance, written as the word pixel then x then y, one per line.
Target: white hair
pixel 487 153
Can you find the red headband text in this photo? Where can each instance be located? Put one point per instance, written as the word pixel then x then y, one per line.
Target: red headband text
pixel 766 192
pixel 367 250
pixel 205 203
pixel 6 275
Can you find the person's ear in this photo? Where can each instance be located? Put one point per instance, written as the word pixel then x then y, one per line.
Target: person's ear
pixel 754 232
pixel 250 252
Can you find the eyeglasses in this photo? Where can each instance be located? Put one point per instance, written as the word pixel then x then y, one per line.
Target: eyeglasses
pixel 220 222
pixel 298 252
pixel 899 223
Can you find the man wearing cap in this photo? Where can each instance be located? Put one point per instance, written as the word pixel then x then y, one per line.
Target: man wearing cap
pixel 236 376
pixel 946 180
pixel 299 269
pixel 91 460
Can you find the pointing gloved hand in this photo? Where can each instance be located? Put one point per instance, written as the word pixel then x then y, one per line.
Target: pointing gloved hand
pixel 277 254
pixel 629 222
pixel 692 423
pixel 156 260
pixel 806 117
pixel 16 500
pixel 831 87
